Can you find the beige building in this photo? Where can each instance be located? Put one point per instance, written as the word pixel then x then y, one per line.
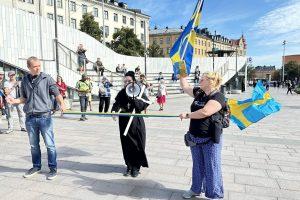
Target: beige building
pixel 69 12
pixel 204 43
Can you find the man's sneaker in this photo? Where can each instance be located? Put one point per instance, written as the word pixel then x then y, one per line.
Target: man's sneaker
pixel 23 129
pixel 81 119
pixel 85 118
pixel 52 174
pixel 9 131
pixel 189 194
pixel 31 172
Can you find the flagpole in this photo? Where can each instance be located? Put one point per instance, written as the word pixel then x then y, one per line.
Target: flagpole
pixel 185 48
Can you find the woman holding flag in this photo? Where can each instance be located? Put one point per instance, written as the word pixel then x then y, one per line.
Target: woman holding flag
pixel 206 148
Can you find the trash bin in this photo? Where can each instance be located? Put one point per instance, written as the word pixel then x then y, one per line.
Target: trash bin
pixel 223 89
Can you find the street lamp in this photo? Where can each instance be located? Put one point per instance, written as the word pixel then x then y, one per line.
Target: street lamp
pixel 103 20
pixel 283 59
pixel 56 38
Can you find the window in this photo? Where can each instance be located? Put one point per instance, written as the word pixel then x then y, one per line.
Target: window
pixel 50 15
pixel 95 12
pixel 60 19
pixel 59 3
pixel 131 21
pixel 50 2
pixel 142 24
pixel 168 49
pixel 116 30
pixel 168 40
pixel 30 1
pixel 115 17
pixel 199 51
pixel 161 40
pixel 73 6
pixel 142 37
pixel 154 41
pixel 105 14
pixel 84 9
pixel 73 23
pixel 195 52
pixel 106 31
pixel 124 20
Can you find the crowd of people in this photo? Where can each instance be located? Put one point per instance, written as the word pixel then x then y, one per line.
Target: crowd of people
pixel 204 136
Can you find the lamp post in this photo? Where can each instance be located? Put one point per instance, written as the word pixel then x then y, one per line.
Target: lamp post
pixel 283 59
pixel 213 50
pixel 145 44
pixel 56 38
pixel 103 20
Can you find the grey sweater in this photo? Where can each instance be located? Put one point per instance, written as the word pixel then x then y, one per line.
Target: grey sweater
pixel 37 93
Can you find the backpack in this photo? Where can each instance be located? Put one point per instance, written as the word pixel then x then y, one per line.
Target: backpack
pixel 225 112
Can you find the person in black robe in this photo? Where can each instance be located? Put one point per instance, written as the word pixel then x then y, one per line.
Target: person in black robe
pixel 133 144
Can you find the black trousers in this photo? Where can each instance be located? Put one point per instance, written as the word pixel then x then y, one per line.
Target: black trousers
pixel 104 102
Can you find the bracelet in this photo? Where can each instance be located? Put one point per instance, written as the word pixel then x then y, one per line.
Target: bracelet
pixel 187 115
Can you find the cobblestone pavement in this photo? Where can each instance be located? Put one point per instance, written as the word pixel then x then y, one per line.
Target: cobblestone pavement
pixel 261 162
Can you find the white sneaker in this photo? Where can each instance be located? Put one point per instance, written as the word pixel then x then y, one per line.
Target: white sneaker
pixel 189 194
pixel 9 131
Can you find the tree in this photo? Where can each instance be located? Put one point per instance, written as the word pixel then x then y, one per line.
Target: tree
pixel 126 42
pixel 276 75
pixel 251 72
pixel 154 50
pixel 90 26
pixel 292 70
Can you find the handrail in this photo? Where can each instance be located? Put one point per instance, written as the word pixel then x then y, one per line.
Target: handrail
pixel 87 59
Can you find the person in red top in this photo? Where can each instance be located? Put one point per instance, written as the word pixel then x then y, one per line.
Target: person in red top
pixel 61 86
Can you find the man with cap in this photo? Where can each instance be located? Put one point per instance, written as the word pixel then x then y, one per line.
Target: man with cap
pixel 12 88
pixel 83 87
pixel 36 89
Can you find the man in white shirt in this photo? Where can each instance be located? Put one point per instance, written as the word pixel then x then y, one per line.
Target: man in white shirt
pixel 12 88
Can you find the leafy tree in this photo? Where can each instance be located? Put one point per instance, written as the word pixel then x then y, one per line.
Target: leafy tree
pixel 90 26
pixel 292 70
pixel 251 72
pixel 126 42
pixel 154 50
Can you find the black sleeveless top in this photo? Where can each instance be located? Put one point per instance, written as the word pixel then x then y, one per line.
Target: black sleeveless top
pixel 200 127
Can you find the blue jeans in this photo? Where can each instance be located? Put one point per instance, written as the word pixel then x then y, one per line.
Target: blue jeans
pixel 83 104
pixel 44 125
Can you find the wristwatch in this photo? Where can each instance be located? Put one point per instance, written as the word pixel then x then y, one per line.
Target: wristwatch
pixel 187 115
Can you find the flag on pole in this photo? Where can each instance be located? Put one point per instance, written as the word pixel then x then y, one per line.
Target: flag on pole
pixel 182 51
pixel 247 112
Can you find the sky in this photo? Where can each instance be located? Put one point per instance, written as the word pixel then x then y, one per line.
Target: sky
pixel 264 23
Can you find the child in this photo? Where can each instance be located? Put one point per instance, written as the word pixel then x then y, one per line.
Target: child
pixel 161 95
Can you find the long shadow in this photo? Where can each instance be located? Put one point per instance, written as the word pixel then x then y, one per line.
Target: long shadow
pixel 132 188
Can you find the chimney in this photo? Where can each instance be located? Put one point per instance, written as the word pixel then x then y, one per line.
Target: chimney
pixel 167 27
pixel 155 27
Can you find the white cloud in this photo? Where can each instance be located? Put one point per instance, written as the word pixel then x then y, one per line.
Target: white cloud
pixel 281 20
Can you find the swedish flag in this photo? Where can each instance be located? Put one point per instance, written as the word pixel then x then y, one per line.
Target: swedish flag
pixel 182 51
pixel 244 113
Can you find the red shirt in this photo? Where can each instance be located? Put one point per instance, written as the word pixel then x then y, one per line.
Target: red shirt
pixel 62 88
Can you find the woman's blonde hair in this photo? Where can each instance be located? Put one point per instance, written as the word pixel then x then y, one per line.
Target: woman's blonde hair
pixel 214 78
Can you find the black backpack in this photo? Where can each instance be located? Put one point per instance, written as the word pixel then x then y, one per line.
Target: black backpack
pixel 225 112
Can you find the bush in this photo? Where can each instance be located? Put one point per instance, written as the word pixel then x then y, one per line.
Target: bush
pixel 297 90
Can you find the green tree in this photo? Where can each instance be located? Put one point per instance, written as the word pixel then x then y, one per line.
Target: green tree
pixel 90 26
pixel 126 42
pixel 251 72
pixel 276 76
pixel 154 50
pixel 292 70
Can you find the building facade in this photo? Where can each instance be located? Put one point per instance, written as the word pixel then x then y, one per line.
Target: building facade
pixel 69 12
pixel 204 43
pixel 289 58
pixel 264 72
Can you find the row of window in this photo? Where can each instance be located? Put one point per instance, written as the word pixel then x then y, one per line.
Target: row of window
pixel 73 23
pixel 73 7
pixel 202 42
pixel 200 52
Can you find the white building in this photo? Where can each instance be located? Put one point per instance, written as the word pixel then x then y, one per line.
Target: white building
pixel 69 12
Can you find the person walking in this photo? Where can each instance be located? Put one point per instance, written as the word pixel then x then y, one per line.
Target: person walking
pixel 12 88
pixel 289 87
pixel 36 89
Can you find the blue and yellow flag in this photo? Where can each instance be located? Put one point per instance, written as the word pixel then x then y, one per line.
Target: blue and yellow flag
pixel 182 51
pixel 244 113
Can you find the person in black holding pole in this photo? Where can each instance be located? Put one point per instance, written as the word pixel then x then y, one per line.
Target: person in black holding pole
pixel 133 144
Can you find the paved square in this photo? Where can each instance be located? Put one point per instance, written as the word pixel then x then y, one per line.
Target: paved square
pixel 261 162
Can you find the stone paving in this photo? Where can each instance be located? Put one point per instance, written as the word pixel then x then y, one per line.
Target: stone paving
pixel 259 163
